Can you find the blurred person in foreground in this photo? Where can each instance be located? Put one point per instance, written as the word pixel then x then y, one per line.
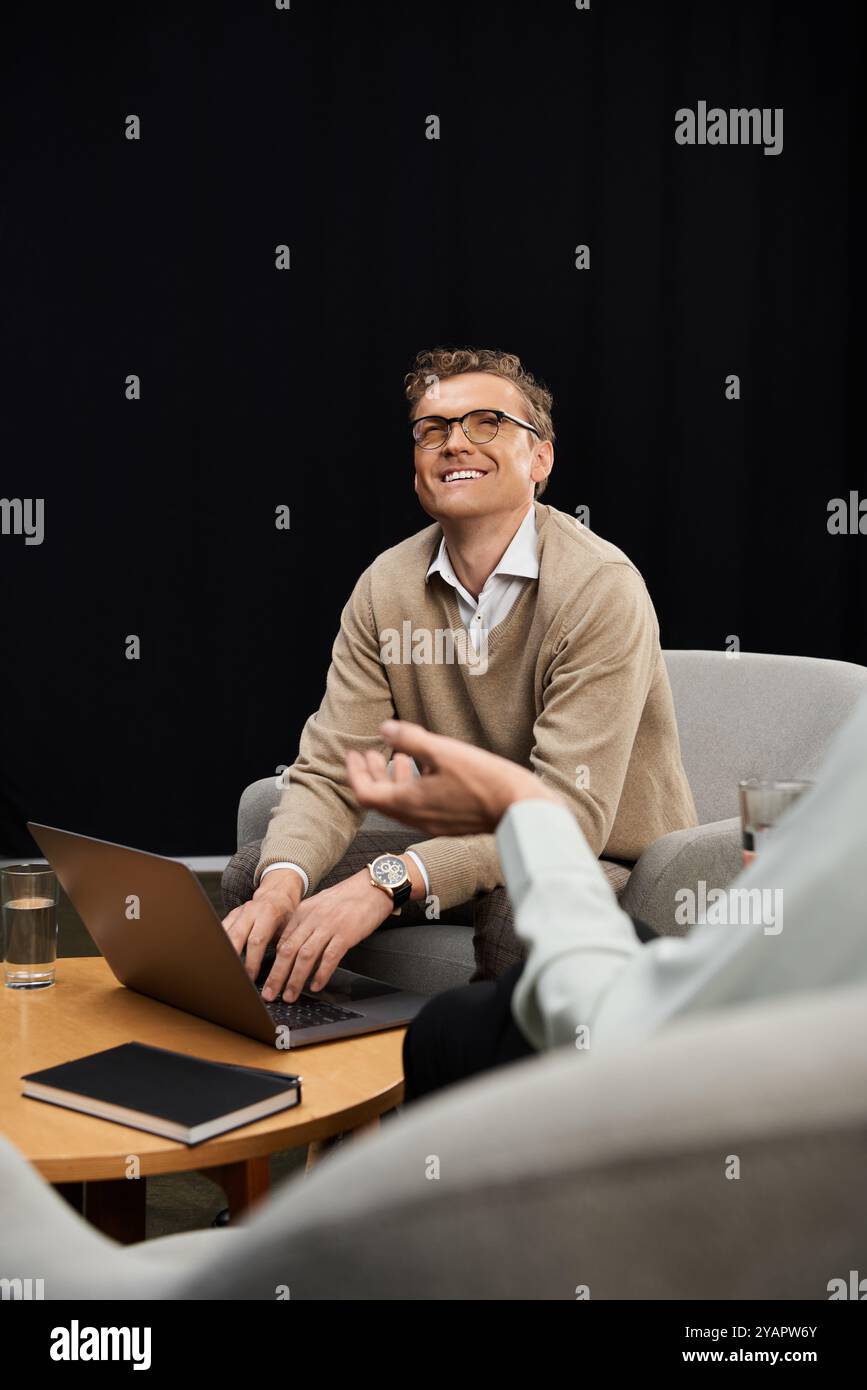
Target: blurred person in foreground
pixel 588 979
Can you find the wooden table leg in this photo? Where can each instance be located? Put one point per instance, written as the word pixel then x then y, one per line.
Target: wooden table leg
pixel 244 1183
pixel 117 1208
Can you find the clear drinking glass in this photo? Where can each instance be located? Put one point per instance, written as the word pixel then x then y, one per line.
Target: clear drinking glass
pixel 29 897
pixel 762 804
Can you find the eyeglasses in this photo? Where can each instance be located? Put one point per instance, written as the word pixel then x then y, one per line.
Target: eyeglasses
pixel 480 427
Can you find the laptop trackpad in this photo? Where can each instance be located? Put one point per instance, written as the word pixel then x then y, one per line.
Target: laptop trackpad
pixel 342 987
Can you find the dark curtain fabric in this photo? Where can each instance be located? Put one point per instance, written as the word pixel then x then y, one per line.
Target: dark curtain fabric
pixel 263 388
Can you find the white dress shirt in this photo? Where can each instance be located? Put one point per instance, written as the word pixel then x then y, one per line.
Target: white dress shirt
pixel 519 565
pixel 586 968
pixel 504 586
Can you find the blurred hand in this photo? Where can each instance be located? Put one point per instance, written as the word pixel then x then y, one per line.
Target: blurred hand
pixel 461 790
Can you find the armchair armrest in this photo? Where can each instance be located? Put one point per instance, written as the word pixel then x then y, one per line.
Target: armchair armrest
pixel 254 809
pixel 680 860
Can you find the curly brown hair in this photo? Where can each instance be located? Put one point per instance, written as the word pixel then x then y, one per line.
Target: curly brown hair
pixel 442 362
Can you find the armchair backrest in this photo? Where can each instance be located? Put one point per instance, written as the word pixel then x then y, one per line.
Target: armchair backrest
pixel 755 715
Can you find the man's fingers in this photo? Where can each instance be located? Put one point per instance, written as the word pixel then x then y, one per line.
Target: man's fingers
pixel 379 795
pixel 290 942
pixel 402 764
pixel 356 771
pixel 331 958
pixel 365 776
pixel 403 800
pixel 305 963
pixel 376 765
pixel 261 930
pixel 238 924
pixel 410 738
pixel 257 944
pixel 368 776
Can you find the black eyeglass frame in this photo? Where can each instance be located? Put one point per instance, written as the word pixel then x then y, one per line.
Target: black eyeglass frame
pixel 461 420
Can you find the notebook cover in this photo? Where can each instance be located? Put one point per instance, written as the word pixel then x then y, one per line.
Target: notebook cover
pixel 184 1090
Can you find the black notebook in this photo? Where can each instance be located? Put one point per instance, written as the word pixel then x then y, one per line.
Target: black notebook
pixel 168 1093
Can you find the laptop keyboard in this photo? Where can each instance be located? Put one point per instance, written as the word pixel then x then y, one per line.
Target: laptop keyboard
pixel 307 1012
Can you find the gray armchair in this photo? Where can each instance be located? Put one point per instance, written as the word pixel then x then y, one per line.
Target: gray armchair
pixel 752 715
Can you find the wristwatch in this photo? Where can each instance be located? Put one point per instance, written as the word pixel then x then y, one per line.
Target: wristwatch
pixel 389 873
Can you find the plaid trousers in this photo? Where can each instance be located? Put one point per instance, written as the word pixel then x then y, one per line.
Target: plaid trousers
pixel 496 945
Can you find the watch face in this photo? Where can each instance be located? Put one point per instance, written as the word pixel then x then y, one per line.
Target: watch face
pixel 389 870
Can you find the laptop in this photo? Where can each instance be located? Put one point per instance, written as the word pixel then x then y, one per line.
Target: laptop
pixel 156 928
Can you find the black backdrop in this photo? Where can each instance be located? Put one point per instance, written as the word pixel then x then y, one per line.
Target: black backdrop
pixel 263 387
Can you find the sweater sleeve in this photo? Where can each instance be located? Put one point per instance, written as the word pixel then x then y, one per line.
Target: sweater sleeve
pixel 459 866
pixel 596 690
pixel 317 816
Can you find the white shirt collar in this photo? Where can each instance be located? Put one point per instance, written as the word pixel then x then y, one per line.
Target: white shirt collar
pixel 519 559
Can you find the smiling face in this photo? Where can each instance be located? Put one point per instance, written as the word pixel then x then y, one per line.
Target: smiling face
pixel 504 469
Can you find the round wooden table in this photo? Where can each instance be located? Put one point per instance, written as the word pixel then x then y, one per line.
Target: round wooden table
pixel 345 1085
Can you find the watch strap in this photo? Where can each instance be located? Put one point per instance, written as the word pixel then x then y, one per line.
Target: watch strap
pixel 400 896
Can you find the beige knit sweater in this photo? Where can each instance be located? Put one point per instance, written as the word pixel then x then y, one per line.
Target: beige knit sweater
pixel 573 686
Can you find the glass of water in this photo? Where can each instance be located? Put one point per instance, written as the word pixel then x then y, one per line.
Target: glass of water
pixel 29 898
pixel 762 804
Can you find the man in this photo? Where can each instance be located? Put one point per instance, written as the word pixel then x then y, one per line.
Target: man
pixel 561 671
pixel 586 978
